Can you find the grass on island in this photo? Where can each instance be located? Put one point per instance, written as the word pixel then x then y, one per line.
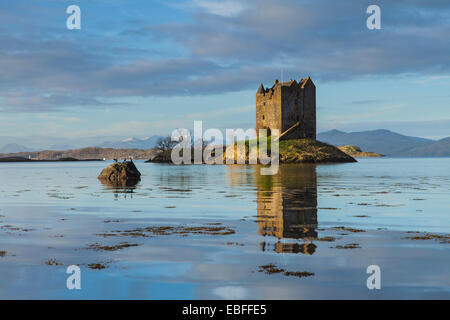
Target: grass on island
pixel 356 151
pixel 290 151
pixel 304 151
pixel 310 150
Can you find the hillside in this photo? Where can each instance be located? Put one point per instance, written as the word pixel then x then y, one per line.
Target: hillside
pixel 14 148
pixel 440 148
pixel 379 141
pixel 132 143
pixel 86 153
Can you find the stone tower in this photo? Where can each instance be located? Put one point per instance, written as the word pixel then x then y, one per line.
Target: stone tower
pixel 289 107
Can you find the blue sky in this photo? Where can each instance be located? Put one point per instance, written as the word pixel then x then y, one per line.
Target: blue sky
pixel 138 68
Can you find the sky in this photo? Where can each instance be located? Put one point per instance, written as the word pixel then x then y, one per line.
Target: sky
pixel 140 68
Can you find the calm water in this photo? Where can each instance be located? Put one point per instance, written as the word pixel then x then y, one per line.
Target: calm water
pixel 210 232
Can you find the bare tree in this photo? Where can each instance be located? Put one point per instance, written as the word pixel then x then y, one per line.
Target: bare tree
pixel 165 144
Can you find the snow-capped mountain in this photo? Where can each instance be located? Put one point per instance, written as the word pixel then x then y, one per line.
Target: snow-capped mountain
pixel 132 143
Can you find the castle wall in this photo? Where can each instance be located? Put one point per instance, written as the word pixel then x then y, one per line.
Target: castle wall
pixel 292 110
pixel 309 102
pixel 268 110
pixel 284 105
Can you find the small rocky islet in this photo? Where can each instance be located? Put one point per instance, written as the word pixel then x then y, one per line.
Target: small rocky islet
pixel 356 151
pixel 120 174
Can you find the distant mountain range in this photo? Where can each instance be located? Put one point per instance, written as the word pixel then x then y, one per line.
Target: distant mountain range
pixel 129 143
pixel 385 142
pixel 132 143
pixel 14 148
pixel 440 148
pixel 388 143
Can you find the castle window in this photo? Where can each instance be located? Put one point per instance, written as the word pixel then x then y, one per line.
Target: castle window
pixel 263 117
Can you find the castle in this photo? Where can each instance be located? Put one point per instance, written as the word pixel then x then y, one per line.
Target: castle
pixel 289 107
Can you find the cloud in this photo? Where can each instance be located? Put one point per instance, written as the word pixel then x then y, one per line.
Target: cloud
pixel 220 8
pixel 430 79
pixel 326 38
pixel 220 113
pixel 223 46
pixel 365 102
pixel 370 114
pixel 154 125
pixel 71 119
pixel 45 116
pixel 22 101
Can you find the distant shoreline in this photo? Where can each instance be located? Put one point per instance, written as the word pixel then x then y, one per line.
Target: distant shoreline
pixel 90 154
pixel 20 159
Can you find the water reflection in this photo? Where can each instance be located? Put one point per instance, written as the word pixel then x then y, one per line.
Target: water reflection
pixel 287 203
pixel 280 247
pixel 286 206
pixel 122 187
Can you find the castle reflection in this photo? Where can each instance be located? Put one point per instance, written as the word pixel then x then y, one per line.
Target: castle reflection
pixel 287 208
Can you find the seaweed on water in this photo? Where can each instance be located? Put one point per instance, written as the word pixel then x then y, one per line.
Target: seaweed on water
pixel 171 230
pixel 272 269
pixel 430 236
pixel 96 266
pixel 348 246
pixel 53 262
pixel 348 229
pixel 120 246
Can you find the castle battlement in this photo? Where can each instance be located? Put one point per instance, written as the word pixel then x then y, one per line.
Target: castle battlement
pixel 286 105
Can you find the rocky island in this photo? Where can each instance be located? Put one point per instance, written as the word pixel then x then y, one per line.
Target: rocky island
pixel 289 108
pixel 303 151
pixel 120 174
pixel 290 151
pixel 356 151
pixel 311 151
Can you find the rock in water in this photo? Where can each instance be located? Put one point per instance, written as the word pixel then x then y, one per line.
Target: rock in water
pixel 120 172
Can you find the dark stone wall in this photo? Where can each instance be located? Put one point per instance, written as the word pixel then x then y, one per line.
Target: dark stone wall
pixel 291 108
pixel 283 105
pixel 309 103
pixel 268 110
